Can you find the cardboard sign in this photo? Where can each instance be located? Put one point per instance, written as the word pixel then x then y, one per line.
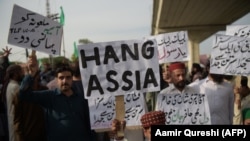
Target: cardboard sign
pixel 172 46
pixel 33 31
pixel 190 109
pixel 119 67
pixel 230 55
pixel 103 110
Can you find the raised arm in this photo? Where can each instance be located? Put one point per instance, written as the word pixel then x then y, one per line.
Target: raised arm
pixel 6 52
pixel 40 97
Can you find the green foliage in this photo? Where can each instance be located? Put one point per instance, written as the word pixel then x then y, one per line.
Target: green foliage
pixel 84 41
pixel 73 58
pixel 56 61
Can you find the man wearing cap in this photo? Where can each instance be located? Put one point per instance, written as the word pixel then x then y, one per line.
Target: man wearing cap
pixel 152 118
pixel 178 86
pixel 147 120
pixel 178 76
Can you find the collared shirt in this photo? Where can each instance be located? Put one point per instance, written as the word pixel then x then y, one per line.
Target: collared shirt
pixel 65 116
pixel 220 99
pixel 173 90
pixel 196 84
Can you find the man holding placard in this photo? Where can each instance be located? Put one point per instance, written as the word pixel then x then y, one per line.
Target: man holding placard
pixel 116 69
pixel 181 103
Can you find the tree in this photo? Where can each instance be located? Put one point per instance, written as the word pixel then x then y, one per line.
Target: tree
pixel 57 61
pixel 84 41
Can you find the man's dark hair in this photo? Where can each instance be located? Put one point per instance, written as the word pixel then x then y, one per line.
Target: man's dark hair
pixel 63 68
pixel 4 64
pixel 197 66
pixel 217 78
pixel 228 77
pixel 10 73
pixel 76 69
pixel 244 81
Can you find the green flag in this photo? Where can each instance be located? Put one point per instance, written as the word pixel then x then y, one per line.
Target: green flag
pixel 75 50
pixel 62 16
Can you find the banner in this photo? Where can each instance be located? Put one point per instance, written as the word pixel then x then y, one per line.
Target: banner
pixel 230 55
pixel 172 47
pixel 184 109
pixel 238 30
pixel 119 67
pixel 33 31
pixel 103 110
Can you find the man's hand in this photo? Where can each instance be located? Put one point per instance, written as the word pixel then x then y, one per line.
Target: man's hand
pixel 6 51
pixel 32 64
pixel 116 126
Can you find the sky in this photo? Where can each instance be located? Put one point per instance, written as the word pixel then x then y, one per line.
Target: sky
pixel 206 45
pixel 96 20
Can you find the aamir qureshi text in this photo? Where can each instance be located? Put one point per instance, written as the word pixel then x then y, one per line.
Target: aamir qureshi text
pixel 188 133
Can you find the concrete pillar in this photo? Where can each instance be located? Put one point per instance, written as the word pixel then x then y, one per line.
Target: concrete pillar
pixel 194 53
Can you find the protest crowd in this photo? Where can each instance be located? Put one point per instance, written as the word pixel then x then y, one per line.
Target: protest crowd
pixel 78 100
pixel 27 115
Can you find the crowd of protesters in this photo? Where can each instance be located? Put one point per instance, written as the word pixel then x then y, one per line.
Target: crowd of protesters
pixel 46 105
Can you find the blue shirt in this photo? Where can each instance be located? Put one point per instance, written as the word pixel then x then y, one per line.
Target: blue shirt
pixel 65 116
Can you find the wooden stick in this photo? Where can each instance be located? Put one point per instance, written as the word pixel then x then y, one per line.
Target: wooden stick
pixel 120 112
pixel 33 53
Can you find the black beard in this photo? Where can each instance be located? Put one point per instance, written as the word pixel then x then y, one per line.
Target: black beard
pixel 180 85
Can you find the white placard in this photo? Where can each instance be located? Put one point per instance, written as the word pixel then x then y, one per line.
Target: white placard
pixel 181 109
pixel 103 110
pixel 33 31
pixel 230 55
pixel 119 67
pixel 172 47
pixel 238 30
